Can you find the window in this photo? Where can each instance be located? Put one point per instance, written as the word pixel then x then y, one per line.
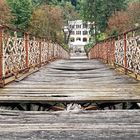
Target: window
pixel 78 39
pixel 78 32
pixel 85 25
pixel 84 39
pixel 72 39
pixel 85 32
pixel 71 26
pixel 78 26
pixel 72 33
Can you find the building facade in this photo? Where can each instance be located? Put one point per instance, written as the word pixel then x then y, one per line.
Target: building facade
pixel 80 35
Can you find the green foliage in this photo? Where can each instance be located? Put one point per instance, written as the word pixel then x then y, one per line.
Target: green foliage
pixel 90 45
pixel 65 46
pixel 100 11
pixel 92 42
pixel 101 36
pixel 69 12
pixel 22 11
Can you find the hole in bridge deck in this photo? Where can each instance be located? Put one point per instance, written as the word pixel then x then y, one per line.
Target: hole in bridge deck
pixel 59 96
pixel 75 69
pixel 69 106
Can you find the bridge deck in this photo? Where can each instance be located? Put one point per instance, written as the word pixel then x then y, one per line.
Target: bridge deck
pixel 93 125
pixel 73 81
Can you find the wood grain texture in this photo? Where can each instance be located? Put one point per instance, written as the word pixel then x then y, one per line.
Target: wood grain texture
pixel 91 125
pixel 71 81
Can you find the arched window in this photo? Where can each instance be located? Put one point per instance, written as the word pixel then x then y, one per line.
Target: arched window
pixel 72 39
pixel 78 39
pixel 84 39
pixel 85 32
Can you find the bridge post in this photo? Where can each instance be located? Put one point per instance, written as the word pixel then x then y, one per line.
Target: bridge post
pixel 40 52
pixel 1 58
pixel 53 51
pixel 48 55
pixel 113 59
pixel 125 52
pixel 107 51
pixel 98 57
pixel 26 36
pixel 57 51
pixel 51 47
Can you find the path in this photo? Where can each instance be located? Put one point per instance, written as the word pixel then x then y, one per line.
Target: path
pixel 72 81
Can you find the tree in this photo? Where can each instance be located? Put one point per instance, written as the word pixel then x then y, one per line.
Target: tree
pixel 118 23
pixel 121 21
pixel 5 13
pixel 99 11
pixel 47 21
pixel 22 11
pixel 69 14
pixel 134 14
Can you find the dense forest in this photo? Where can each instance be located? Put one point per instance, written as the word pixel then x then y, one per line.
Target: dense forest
pixel 48 17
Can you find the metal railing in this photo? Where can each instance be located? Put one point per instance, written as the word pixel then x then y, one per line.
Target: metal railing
pixel 21 51
pixel 123 50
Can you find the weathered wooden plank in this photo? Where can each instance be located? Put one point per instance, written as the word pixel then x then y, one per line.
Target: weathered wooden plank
pixel 71 81
pixel 118 125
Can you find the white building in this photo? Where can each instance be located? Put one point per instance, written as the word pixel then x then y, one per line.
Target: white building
pixel 80 34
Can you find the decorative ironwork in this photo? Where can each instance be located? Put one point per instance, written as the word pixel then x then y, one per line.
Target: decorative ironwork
pixel 124 52
pixel 20 53
pixel 14 55
pixel 119 52
pixel 44 50
pixel 133 54
pixel 33 53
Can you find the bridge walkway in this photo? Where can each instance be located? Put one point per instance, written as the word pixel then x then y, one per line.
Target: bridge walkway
pixel 88 83
pixel 74 80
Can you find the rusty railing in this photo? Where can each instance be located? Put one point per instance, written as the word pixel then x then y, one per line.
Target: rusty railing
pixel 123 50
pixel 20 52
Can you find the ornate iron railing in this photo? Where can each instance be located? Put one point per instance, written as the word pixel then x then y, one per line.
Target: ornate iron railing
pixel 123 50
pixel 20 51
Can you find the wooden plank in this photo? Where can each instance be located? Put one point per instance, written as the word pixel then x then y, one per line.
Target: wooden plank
pixel 71 81
pixel 70 125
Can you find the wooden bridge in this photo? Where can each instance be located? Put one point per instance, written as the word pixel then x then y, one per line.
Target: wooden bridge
pixel 95 98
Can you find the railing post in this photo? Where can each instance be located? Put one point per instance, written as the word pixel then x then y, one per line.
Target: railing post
pixel 98 51
pixel 107 48
pixel 113 52
pixel 26 36
pixel 40 52
pixel 57 51
pixel 1 58
pixel 48 56
pixel 53 51
pixel 125 52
